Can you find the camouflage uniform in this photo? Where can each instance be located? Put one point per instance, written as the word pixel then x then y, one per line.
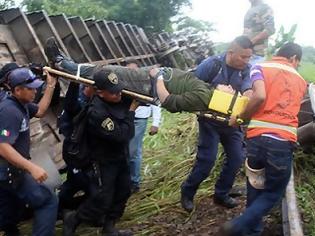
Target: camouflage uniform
pixel 259 18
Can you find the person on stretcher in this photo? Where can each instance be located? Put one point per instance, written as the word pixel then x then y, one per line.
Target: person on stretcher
pixel 177 90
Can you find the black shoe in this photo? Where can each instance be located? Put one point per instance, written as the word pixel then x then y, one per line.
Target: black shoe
pixel 226 201
pixel 237 191
pixel 52 51
pixel 70 223
pixel 109 228
pixel 186 203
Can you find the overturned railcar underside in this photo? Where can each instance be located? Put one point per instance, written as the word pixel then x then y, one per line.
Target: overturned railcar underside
pixel 22 39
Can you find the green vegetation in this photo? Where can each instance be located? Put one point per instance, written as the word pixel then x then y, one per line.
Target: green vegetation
pixel 305 163
pixel 6 4
pixel 147 14
pixel 305 187
pixel 307 70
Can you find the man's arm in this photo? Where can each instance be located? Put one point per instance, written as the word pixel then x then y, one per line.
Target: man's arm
pixel 257 98
pixel 269 25
pixel 13 157
pixel 46 99
pixel 156 119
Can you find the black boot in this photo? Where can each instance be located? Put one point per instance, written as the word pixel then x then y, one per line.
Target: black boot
pixel 186 203
pixel 225 201
pixel 70 223
pixel 109 229
pixel 53 52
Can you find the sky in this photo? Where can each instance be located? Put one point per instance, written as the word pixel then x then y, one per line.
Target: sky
pixel 228 15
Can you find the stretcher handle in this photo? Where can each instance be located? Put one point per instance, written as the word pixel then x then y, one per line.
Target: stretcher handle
pixel 79 79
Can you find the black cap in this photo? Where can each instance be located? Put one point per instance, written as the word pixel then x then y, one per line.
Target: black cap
pixel 106 79
pixel 6 69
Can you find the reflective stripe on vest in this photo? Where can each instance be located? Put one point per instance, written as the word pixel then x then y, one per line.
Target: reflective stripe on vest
pixel 264 124
pixel 280 66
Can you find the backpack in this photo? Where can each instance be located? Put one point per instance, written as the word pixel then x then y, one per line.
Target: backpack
pixel 76 150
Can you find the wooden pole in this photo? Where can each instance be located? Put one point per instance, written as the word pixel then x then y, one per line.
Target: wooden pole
pixel 79 79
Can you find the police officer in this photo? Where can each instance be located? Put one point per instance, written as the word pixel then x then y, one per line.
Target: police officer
pixel 234 71
pixel 110 127
pixel 21 181
pixel 76 98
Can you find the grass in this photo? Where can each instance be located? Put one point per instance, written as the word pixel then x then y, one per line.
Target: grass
pixel 304 169
pixel 307 70
pixel 167 159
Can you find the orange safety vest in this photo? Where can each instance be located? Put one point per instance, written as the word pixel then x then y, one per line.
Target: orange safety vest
pixel 285 89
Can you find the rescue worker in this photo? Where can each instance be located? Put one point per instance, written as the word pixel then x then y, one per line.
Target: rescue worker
pixel 110 127
pixel 259 26
pixel 278 90
pixel 21 181
pixel 76 98
pixel 234 72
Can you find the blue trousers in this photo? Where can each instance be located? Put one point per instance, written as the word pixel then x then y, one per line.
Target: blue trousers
pixel 276 157
pixel 135 151
pixel 210 134
pixel 36 196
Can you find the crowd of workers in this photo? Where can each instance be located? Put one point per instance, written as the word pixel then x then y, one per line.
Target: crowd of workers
pixel 114 125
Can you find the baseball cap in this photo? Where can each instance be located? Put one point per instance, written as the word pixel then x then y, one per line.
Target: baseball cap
pixel 23 77
pixel 6 69
pixel 106 79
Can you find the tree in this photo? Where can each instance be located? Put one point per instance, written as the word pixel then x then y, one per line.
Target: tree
pixel 87 9
pixel 145 13
pixel 282 38
pixel 195 25
pixel 6 4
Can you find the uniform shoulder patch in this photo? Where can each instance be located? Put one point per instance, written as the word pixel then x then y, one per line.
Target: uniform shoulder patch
pixel 108 124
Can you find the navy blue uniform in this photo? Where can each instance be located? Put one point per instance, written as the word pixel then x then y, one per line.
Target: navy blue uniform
pixel 212 132
pixel 14 130
pixel 3 95
pixel 77 180
pixel 110 128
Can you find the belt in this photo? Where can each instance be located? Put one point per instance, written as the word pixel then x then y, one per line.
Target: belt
pixel 141 118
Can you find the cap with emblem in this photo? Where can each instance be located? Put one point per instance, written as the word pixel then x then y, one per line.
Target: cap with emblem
pixel 106 79
pixel 23 77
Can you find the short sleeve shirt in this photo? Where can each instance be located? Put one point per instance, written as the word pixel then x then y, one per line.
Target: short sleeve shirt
pixel 14 124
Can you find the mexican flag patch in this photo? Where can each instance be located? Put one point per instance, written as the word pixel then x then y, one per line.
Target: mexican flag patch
pixel 5 133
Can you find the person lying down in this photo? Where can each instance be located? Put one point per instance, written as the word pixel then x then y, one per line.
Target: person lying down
pixel 176 89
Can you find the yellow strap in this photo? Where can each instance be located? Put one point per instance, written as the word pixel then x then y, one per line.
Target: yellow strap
pixel 264 124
